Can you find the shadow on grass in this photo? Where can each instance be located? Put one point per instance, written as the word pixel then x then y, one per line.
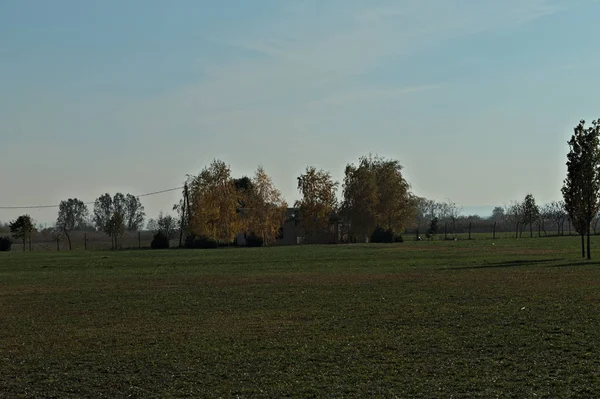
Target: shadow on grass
pixel 575 264
pixel 506 264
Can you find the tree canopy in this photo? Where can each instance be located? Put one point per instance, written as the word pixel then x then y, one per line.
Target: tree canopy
pixel 72 214
pixel 375 193
pixel 582 185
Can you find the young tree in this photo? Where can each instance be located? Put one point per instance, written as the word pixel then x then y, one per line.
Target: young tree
pixel 72 214
pixel 22 228
pixel 531 212
pixel 318 200
pixel 115 227
pixel 266 207
pixel 582 184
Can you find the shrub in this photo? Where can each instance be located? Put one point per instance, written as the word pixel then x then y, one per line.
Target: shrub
pixel 200 242
pixel 382 235
pixel 160 241
pixel 252 240
pixel 5 244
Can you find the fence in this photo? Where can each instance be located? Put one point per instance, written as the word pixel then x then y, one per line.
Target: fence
pixel 41 241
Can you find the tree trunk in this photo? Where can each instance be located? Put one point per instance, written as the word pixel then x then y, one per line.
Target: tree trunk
pixel 494 236
pixel 531 230
pixel 24 244
pixel 589 252
pixel 582 245
pixel 68 239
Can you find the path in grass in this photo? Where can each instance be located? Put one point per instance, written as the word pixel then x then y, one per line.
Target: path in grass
pixel 442 319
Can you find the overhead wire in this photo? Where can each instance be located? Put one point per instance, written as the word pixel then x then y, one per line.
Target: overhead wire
pixel 87 203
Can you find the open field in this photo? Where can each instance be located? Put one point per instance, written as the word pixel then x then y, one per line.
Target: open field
pixel 519 318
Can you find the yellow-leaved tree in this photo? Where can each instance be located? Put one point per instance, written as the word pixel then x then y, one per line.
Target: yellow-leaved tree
pixel 266 208
pixel 214 204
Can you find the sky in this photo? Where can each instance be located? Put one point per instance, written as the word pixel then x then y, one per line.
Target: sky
pixel 476 98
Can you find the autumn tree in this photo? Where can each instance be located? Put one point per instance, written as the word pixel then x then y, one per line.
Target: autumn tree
pixel 376 194
pixel 72 214
pixel 318 200
pixel 582 184
pixel 22 228
pixel 109 216
pixel 214 203
pixel 265 207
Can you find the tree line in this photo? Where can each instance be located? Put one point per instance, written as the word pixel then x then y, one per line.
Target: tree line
pixel 375 204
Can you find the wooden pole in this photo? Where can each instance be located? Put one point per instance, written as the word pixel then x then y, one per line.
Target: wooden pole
pixel 184 212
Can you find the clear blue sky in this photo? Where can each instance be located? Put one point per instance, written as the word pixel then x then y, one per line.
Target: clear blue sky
pixel 476 98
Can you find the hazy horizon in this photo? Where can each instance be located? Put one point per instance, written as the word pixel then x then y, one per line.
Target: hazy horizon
pixel 476 99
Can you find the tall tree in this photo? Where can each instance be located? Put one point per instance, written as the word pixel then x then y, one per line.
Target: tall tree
pixel 582 184
pixel 531 212
pixel 214 203
pixel 22 228
pixel 72 214
pixel 133 212
pixel 265 207
pixel 109 216
pixel 375 194
pixel 318 200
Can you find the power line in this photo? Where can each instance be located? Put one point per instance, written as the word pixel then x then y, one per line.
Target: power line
pixel 87 203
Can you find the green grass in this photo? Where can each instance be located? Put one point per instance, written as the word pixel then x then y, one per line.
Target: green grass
pixel 481 318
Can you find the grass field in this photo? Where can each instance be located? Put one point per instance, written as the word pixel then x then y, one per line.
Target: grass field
pixel 520 318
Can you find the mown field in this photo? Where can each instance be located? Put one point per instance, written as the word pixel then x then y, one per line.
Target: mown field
pixel 455 319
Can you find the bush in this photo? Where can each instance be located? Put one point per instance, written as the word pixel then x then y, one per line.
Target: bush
pixel 200 242
pixel 382 235
pixel 5 244
pixel 252 240
pixel 160 241
pixel 399 238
